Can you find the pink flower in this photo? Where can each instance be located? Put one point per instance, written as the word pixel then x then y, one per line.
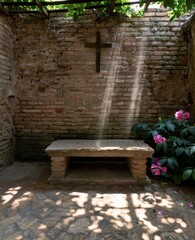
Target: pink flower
pixel 163 139
pixel 156 169
pixel 190 205
pixel 164 169
pixel 159 139
pixel 181 115
pixel 186 115
pixel 160 212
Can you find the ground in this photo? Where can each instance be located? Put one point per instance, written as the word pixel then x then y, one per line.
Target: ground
pixel 32 209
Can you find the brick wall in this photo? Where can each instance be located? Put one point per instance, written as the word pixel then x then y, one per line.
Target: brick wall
pixel 59 94
pixel 6 93
pixel 191 31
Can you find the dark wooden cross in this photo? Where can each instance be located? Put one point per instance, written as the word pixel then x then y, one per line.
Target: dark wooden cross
pixel 98 46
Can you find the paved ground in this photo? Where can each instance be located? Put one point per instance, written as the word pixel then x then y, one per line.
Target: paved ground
pixel 32 209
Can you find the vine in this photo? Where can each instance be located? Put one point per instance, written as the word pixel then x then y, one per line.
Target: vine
pixel 109 7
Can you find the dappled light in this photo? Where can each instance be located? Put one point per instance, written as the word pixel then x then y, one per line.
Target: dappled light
pixel 18 201
pixel 79 198
pixel 42 227
pixel 59 202
pixel 32 210
pixel 113 200
pixel 9 195
pixel 93 212
pixel 145 222
pixel 95 224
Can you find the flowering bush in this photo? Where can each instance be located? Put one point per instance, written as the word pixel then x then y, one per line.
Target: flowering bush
pixel 181 115
pixel 157 169
pixel 173 140
pixel 159 139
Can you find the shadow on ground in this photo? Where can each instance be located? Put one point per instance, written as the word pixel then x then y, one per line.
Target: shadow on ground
pixel 32 209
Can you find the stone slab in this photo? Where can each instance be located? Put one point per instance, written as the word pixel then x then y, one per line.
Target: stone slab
pixel 96 148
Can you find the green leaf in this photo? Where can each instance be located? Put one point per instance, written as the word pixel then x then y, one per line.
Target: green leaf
pixel 191 129
pixel 154 133
pixel 164 146
pixel 187 173
pixel 163 160
pixel 159 147
pixel 148 133
pixel 193 174
pixel 175 162
pixel 75 16
pixel 172 16
pixel 177 178
pixel 141 3
pixel 184 132
pixel 188 153
pixel 192 150
pixel 144 125
pixel 136 127
pixel 179 151
pixel 189 4
pixel 168 3
pixel 170 126
pixel 160 126
pixel 179 141
pixel 170 163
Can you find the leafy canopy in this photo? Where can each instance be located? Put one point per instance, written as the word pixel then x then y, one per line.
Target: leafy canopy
pixel 105 8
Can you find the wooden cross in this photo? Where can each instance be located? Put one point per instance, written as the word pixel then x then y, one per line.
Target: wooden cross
pixel 98 46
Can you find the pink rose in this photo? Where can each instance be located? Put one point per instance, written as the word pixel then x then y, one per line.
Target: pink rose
pixel 186 115
pixel 179 115
pixel 159 139
pixel 164 169
pixel 156 169
pixel 157 173
pixel 163 139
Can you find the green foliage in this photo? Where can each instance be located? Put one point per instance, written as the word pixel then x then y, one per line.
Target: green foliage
pixel 180 7
pixel 173 140
pixel 102 8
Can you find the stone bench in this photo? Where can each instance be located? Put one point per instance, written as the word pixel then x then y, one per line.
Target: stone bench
pixel 135 151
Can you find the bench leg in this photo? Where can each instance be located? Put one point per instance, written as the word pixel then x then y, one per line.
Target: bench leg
pixel 58 168
pixel 137 168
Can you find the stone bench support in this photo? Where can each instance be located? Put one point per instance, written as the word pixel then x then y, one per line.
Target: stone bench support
pixel 59 167
pixel 135 151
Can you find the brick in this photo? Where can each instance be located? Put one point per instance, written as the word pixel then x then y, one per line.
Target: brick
pixel 6 107
pixel 62 96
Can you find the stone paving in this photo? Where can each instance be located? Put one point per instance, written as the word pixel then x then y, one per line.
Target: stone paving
pixel 32 209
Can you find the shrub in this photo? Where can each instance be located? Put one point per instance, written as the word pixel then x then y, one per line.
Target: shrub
pixel 173 140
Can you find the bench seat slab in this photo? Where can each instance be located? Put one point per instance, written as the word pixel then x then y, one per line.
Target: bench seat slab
pixel 135 151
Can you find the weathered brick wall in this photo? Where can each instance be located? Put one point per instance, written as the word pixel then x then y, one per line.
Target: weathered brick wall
pixel 143 76
pixel 191 31
pixel 6 93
